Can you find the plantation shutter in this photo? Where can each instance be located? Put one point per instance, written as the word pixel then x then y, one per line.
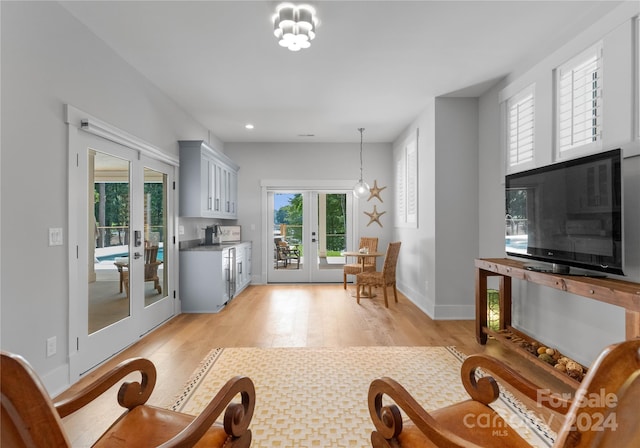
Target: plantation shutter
pixel 580 100
pixel 521 126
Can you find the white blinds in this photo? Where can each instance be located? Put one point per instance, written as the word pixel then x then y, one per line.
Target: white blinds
pixel 580 100
pixel 521 127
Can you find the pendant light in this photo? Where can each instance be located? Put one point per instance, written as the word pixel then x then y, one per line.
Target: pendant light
pixel 361 189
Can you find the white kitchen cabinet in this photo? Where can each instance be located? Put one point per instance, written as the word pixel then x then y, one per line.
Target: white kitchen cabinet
pixel 208 182
pixel 211 276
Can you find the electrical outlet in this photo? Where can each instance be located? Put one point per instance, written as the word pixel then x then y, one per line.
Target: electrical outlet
pixel 51 346
pixel 180 230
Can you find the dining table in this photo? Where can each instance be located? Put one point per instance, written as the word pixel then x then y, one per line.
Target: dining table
pixel 361 256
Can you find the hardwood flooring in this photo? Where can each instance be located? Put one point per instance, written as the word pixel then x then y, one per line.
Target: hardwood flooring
pixel 291 315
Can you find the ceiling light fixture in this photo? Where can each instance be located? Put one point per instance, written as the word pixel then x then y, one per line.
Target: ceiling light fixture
pixel 248 126
pixel 361 189
pixel 294 26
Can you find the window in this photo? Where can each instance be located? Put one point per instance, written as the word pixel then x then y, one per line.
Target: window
pixel 406 161
pixel 579 101
pixel 520 127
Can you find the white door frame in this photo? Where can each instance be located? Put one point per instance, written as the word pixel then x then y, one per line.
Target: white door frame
pixel 79 122
pixel 267 185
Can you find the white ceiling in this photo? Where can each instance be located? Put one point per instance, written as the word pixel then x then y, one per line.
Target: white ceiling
pixel 373 64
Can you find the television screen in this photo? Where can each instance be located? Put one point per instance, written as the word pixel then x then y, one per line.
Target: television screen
pixel 568 214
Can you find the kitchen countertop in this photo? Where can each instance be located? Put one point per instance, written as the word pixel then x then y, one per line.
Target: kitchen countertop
pixel 198 246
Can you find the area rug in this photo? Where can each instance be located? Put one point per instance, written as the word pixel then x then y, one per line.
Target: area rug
pixel 317 397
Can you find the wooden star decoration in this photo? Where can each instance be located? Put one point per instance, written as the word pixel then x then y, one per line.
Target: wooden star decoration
pixel 375 191
pixel 374 216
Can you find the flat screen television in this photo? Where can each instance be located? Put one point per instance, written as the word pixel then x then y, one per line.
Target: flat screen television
pixel 568 214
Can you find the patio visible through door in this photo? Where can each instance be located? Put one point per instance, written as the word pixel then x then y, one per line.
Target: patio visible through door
pixel 308 232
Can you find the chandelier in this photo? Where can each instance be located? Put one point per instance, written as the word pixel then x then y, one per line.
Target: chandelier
pixel 294 26
pixel 361 189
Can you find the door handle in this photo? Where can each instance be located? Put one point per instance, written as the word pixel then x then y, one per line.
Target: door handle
pixel 137 255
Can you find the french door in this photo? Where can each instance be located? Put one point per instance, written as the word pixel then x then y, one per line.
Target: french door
pixel 307 232
pixel 120 204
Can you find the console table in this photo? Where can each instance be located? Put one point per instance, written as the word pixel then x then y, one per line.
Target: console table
pixel 615 292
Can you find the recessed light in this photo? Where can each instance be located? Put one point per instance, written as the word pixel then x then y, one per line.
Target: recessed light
pixel 248 126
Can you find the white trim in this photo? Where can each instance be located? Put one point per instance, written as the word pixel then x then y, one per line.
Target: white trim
pixel 340 184
pixel 82 120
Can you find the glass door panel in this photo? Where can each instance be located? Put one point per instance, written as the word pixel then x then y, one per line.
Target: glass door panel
pixel 155 231
pixel 330 218
pixel 108 273
pixel 102 314
pixel 156 297
pixel 288 237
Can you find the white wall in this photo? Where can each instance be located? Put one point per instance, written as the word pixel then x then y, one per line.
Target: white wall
pixel 456 206
pixel 416 268
pixel 578 326
pixel 437 271
pixel 308 162
pixel 49 59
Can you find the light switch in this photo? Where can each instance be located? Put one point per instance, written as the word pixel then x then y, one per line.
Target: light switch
pixel 55 236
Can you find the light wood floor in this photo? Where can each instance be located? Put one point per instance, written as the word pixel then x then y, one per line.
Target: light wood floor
pixel 278 316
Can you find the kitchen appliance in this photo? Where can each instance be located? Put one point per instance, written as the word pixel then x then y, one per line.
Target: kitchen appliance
pixel 211 235
pixel 230 269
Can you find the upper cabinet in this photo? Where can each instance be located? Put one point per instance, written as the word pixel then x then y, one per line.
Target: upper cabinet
pixel 208 182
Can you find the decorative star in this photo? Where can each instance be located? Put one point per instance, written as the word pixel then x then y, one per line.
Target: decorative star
pixel 374 216
pixel 375 191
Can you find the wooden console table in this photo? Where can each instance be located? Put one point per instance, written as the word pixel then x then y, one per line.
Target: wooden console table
pixel 615 292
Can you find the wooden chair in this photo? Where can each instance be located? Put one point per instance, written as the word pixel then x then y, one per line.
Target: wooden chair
pixel 31 419
pixel 151 264
pixel 286 252
pixel 369 262
pixel 384 278
pixel 603 412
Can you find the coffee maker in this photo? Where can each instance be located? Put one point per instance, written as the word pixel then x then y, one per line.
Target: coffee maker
pixel 211 235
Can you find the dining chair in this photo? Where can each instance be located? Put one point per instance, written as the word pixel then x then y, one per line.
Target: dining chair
pixel 384 278
pixel 369 264
pixel 603 411
pixel 30 418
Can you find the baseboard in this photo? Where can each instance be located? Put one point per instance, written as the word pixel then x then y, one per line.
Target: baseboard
pixel 56 381
pixel 438 312
pixel 455 312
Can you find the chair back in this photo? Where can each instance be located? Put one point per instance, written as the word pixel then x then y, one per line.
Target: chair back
pixel 151 262
pixel 29 418
pixel 390 262
pixel 370 243
pixel 604 412
pixel 150 254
